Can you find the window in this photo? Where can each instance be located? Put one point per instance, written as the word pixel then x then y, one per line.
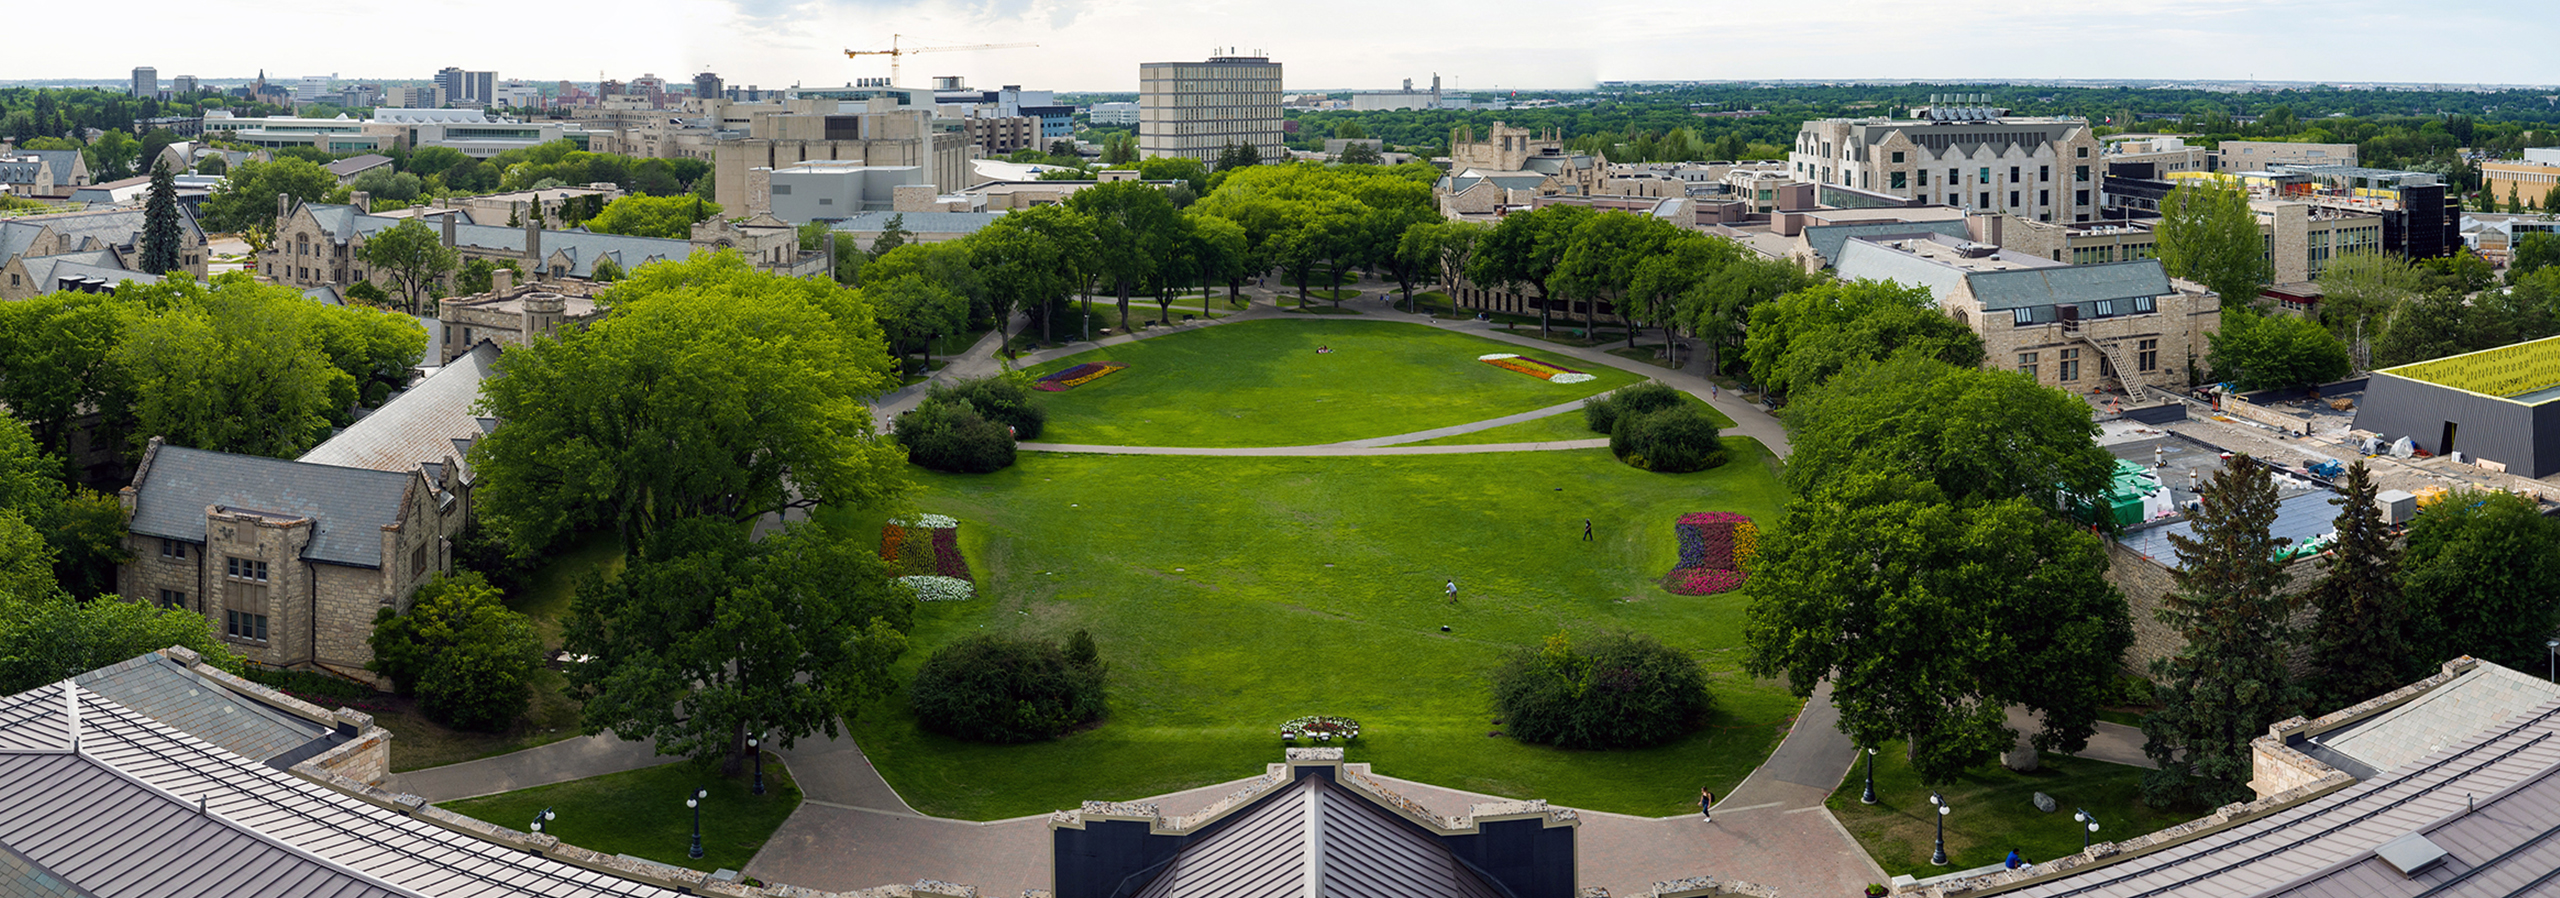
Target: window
pixel 170 548
pixel 2044 197
pixel 1954 176
pixel 2013 174
pixel 2105 307
pixel 170 598
pixel 1986 174
pixel 2145 304
pixel 1924 177
pixel 1900 181
pixel 418 561
pixel 2027 363
pixel 244 626
pixel 1986 200
pixel 245 569
pixel 2013 199
pixel 1955 199
pixel 2083 153
pixel 2044 173
pixel 2025 316
pixel 2080 173
pixel 2080 198
pixel 2070 364
pixel 1897 157
pixel 2146 356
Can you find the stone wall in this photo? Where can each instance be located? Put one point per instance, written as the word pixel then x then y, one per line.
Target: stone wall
pixel 2147 582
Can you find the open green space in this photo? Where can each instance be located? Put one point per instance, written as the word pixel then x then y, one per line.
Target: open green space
pixel 1262 383
pixel 1552 428
pixel 1231 594
pixel 1994 812
pixel 641 812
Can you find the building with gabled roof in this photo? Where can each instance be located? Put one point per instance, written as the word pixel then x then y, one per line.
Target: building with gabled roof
pixel 96 249
pixel 316 244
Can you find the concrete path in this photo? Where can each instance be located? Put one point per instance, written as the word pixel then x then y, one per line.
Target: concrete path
pixel 541 765
pixel 1328 449
pixel 1486 424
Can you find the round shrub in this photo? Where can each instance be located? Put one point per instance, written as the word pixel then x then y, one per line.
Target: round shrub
pixel 1005 400
pixel 1675 440
pixel 951 436
pixel 990 688
pixel 1602 412
pixel 1617 690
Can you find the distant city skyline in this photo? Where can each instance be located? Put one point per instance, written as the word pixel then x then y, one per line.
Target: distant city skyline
pixel 1097 45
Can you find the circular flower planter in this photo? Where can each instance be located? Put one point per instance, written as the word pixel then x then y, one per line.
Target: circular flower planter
pixel 1319 730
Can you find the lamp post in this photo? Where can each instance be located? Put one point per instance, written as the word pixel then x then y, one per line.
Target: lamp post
pixel 694 801
pixel 2554 672
pixel 2085 817
pixel 539 818
pixel 1870 796
pixel 1940 856
pixel 752 743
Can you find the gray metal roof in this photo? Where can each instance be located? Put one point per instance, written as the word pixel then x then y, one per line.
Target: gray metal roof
pixel 2444 715
pixel 167 692
pixel 2015 288
pixel 426 424
pixel 1825 240
pixel 2509 844
pixel 349 505
pixel 121 819
pixel 1860 260
pixel 356 165
pixel 1317 830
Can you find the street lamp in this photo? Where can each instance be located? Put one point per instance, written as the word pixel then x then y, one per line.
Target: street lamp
pixel 1940 856
pixel 752 742
pixel 2554 673
pixel 2085 817
pixel 694 801
pixel 539 818
pixel 1870 796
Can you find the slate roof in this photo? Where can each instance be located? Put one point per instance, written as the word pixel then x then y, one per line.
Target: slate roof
pixel 430 421
pixel 163 690
pixel 121 819
pixel 2070 284
pixel 922 222
pixel 22 878
pixel 582 248
pixel 67 164
pixel 349 505
pixel 47 271
pixel 20 172
pixel 1825 240
pixel 1317 830
pixel 356 165
pixel 1862 260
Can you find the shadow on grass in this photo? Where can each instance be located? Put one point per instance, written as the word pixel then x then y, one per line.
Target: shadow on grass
pixel 641 812
pixel 1994 811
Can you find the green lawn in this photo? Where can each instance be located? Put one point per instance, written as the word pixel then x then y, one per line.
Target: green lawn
pixel 1231 594
pixel 418 742
pixel 1994 812
pixel 641 812
pixel 1261 383
pixel 1552 428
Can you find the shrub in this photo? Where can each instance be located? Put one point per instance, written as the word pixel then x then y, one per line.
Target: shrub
pixel 1617 690
pixel 990 688
pixel 1001 399
pixel 952 436
pixel 365 292
pixel 1603 412
pixel 1674 440
pixel 467 657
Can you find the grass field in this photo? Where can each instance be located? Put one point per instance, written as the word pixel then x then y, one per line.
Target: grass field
pixel 641 812
pixel 1231 594
pixel 1994 812
pixel 1552 428
pixel 1261 383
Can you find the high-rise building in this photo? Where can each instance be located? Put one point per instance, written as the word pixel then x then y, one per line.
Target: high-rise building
pixel 1196 109
pixel 706 85
pixel 182 85
pixel 146 81
pixel 462 88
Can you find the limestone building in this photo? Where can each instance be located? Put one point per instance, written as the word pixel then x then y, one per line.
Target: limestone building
pixel 87 251
pixel 1510 168
pixel 875 130
pixel 1974 158
pixel 2249 155
pixel 2530 180
pixel 513 315
pixel 1196 109
pixel 316 245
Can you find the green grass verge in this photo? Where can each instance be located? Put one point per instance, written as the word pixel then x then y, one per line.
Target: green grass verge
pixel 1261 383
pixel 1313 309
pixel 1994 812
pixel 641 812
pixel 1231 594
pixel 1566 426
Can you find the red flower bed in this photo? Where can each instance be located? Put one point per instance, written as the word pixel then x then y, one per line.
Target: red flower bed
pixel 1062 381
pixel 1708 563
pixel 937 553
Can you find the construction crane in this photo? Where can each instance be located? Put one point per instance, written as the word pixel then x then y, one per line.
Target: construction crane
pixel 896 51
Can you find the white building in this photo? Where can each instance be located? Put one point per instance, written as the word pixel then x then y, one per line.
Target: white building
pixel 1969 157
pixel 146 81
pixel 1113 113
pixel 473 131
pixel 1195 109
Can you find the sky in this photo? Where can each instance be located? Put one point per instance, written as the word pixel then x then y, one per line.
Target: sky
pixel 1483 45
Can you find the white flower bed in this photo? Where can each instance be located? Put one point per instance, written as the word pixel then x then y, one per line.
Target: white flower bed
pixel 938 588
pixel 1490 356
pixel 929 522
pixel 1569 377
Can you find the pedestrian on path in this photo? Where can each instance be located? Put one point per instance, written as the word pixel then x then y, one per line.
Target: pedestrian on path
pixel 1453 590
pixel 1715 390
pixel 1706 804
pixel 1586 530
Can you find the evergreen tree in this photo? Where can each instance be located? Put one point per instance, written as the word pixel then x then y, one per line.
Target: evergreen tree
pixel 160 223
pixel 2359 643
pixel 2231 680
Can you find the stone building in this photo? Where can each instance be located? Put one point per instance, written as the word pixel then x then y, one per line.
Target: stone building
pixel 2073 327
pixel 316 245
pixel 1196 109
pixel 1510 168
pixel 510 315
pixel 873 131
pixel 1978 159
pixel 90 251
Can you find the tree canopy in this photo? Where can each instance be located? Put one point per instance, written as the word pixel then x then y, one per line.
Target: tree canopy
pixel 240 366
pixel 641 215
pixel 410 255
pixel 2207 234
pixel 247 196
pixel 2231 679
pixel 1980 435
pixel 2258 352
pixel 1802 338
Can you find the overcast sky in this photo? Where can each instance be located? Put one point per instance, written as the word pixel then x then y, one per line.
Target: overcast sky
pixel 1096 45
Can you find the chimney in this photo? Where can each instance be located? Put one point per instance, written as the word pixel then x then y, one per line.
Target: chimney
pixel 448 229
pixel 361 200
pixel 533 242
pixel 284 207
pixel 502 281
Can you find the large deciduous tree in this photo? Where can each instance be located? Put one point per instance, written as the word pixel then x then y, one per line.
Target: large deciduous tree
pixel 713 389
pixel 640 215
pixel 1979 435
pixel 2208 235
pixel 2259 352
pixel 468 657
pixel 1526 250
pixel 247 197
pixel 2230 680
pixel 708 638
pixel 1449 245
pixel 1931 617
pixel 1033 259
pixel 2360 636
pixel 410 255
pixel 2477 579
pixel 45 638
pixel 1602 260
pixel 238 366
pixel 1801 339
pixel 58 362
pixel 1135 227
pixel 914 310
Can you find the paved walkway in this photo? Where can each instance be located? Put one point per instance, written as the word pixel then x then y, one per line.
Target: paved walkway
pixel 558 762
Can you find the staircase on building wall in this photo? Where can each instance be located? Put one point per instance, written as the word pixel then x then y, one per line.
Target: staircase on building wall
pixel 2114 354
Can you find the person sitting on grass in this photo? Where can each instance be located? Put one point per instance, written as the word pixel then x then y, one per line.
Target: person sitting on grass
pixel 1320 350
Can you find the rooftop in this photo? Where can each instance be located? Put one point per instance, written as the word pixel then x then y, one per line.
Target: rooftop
pixel 350 505
pixel 2519 372
pixel 427 424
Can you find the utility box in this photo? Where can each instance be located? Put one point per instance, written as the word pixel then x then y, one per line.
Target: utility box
pixel 2398 506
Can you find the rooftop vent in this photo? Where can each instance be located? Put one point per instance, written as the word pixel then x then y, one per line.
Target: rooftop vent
pixel 2410 854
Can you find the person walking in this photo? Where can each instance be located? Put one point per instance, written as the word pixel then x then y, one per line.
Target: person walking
pixel 1706 804
pixel 1586 530
pixel 1453 590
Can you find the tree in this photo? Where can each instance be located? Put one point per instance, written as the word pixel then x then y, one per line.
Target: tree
pixel 946 435
pixel 1930 617
pixel 2361 626
pixel 1134 226
pixel 234 367
pixel 396 186
pixel 1802 338
pixel 1979 435
pixel 1616 690
pixel 1660 285
pixel 111 156
pixel 1359 153
pixel 2533 252
pixel 87 534
pixel 708 638
pixel 2230 679
pixel 1237 155
pixel 1119 147
pixel 1674 440
pixel 1449 245
pixel 653 216
pixel 1032 259
pixel 247 197
pixel 410 255
pixel 1003 689
pixel 57 364
pixel 893 234
pixel 468 657
pixel 1603 255
pixel 913 311
pixel 1525 250
pixel 1218 247
pixel 2476 577
pixel 160 225
pixel 605 271
pixel 2259 352
pixel 617 425
pixel 2208 235
pixel 2361 290
pixel 45 639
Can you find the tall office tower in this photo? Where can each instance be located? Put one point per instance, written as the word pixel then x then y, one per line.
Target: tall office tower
pixel 1195 109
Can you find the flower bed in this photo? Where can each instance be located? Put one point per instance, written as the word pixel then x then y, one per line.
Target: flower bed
pixel 1062 381
pixel 1546 371
pixel 925 546
pixel 934 588
pixel 1715 550
pixel 1319 730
